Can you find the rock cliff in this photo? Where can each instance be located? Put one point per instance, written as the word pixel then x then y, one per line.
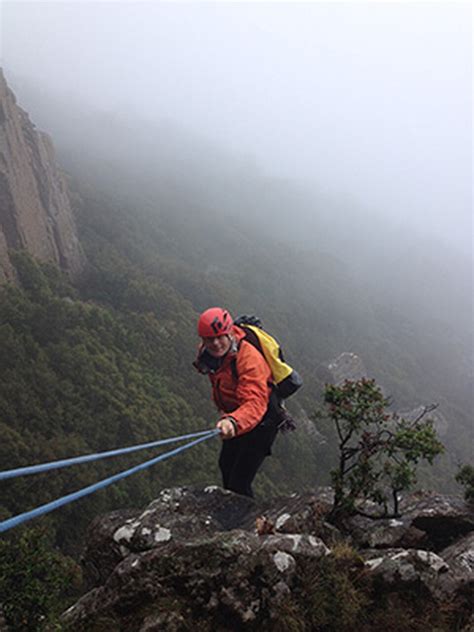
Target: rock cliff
pixel 349 366
pixel 35 209
pixel 207 559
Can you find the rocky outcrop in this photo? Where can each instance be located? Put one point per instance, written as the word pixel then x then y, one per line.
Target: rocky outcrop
pixel 35 209
pixel 347 366
pixel 428 520
pixel 208 559
pixel 440 422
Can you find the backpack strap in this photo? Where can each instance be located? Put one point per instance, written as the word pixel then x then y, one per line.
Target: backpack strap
pixel 233 368
pixel 252 338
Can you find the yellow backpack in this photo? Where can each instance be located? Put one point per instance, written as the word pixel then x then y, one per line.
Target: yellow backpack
pixel 287 380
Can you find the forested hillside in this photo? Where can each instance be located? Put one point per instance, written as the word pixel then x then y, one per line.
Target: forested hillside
pixel 167 231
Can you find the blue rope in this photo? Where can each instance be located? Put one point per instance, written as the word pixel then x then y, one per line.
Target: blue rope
pixel 64 500
pixel 44 467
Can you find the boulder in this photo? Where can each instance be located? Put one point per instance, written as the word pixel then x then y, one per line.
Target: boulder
pixel 213 560
pixel 229 576
pixel 460 559
pixel 178 514
pixel 404 568
pixel 428 520
pixel 445 578
pixel 347 366
pixel 305 513
pixel 443 518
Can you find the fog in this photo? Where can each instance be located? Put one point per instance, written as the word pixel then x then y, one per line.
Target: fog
pixel 367 104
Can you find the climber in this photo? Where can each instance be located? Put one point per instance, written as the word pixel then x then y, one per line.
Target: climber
pixel 242 391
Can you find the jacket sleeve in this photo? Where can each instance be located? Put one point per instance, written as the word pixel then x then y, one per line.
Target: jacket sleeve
pixel 253 388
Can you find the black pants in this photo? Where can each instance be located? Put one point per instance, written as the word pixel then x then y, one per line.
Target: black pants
pixel 241 457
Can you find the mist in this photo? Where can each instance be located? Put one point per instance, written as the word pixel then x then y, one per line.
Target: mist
pixel 364 107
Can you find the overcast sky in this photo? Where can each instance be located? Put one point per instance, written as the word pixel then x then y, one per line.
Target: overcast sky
pixel 370 101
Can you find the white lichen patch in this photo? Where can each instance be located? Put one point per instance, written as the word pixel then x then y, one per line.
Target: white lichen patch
pixel 283 561
pixel 319 544
pixel 296 540
pixel 172 494
pixel 395 523
pixel 162 534
pixel 435 561
pixel 281 520
pixel 146 531
pixel 399 556
pixel 125 533
pixel 165 496
pixel 373 564
pixel 146 513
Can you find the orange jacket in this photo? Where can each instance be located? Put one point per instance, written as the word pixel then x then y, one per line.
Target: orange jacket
pixel 245 399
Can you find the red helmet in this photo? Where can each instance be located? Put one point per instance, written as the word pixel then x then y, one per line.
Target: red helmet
pixel 215 321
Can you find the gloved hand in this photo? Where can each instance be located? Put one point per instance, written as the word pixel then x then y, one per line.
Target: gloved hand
pixel 227 428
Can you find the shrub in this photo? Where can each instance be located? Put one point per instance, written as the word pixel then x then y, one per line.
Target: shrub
pixel 378 451
pixel 465 477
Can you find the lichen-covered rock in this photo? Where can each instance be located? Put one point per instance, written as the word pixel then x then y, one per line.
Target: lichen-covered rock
pixel 210 559
pixel 232 574
pixel 306 513
pixel 347 366
pixel 445 579
pixel 443 518
pixel 428 521
pixel 401 568
pixel 178 514
pixel 102 553
pixel 460 559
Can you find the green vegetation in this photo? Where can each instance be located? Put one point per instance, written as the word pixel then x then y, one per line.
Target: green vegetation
pixel 325 597
pixel 34 581
pixel 334 594
pixel 465 477
pixel 78 377
pixel 378 451
pixel 107 362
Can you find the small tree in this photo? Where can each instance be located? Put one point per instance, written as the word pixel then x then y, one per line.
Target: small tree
pixel 378 451
pixel 465 477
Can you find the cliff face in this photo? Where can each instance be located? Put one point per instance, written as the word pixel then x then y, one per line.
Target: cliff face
pixel 35 210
